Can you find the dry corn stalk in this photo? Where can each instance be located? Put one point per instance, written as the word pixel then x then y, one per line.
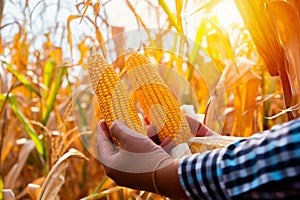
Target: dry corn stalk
pixel 160 106
pixel 112 95
pixel 269 29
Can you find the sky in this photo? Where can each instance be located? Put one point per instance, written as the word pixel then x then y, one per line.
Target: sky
pixel 44 15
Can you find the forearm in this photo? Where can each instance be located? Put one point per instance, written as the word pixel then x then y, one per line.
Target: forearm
pixel 167 182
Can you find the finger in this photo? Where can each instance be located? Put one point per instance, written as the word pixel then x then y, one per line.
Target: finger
pixel 151 132
pixel 129 139
pixel 194 124
pixel 167 144
pixel 106 148
pixel 166 141
pixel 197 128
pixel 108 135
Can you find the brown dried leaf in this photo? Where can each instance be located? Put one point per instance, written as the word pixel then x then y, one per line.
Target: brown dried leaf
pixel 87 4
pixel 3 79
pixel 287 21
pixel 15 171
pixel 70 18
pixel 97 8
pixel 56 176
pixel 9 139
pixel 262 31
pixel 33 190
pixel 83 52
pixel 245 104
pixel 230 76
pixel 8 194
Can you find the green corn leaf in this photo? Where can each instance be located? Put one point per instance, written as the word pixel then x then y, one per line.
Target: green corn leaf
pixel 39 145
pixel 1 187
pixel 52 94
pixel 48 70
pixel 197 46
pixel 21 78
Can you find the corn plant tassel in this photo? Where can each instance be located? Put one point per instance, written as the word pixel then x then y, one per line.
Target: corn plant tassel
pixel 159 104
pixel 112 96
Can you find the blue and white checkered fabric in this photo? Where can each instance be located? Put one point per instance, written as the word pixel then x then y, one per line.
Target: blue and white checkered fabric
pixel 263 166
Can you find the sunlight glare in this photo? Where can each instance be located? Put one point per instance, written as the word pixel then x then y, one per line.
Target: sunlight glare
pixel 227 13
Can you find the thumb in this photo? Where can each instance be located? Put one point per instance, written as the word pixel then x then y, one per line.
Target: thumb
pixel 197 128
pixel 129 139
pixel 152 134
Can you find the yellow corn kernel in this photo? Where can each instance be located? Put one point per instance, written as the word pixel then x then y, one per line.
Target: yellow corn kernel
pixel 160 106
pixel 112 96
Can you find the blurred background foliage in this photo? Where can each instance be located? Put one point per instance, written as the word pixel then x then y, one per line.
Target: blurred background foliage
pixel 254 46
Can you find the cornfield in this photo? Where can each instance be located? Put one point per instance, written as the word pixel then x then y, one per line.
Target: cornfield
pixel 244 76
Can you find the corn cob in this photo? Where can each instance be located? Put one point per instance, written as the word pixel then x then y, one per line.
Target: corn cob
pixel 113 99
pixel 159 104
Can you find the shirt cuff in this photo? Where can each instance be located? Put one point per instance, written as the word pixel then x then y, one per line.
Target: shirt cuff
pixel 199 176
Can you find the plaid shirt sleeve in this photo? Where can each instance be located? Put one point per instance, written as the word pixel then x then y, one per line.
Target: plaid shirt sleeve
pixel 264 166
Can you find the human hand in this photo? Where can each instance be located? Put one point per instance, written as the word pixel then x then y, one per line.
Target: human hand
pixel 198 129
pixel 133 164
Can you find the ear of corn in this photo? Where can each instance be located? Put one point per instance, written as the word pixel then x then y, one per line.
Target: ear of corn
pixel 112 95
pixel 160 106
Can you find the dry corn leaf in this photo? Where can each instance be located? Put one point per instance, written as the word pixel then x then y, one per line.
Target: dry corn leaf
pixel 86 5
pixel 83 52
pixel 291 109
pixel 218 43
pixel 33 190
pixel 287 21
pixel 230 76
pixel 140 21
pixel 230 79
pixel 97 7
pixel 105 193
pixel 56 177
pixel 100 39
pixel 3 80
pixel 20 51
pixel 13 174
pixel 70 40
pixel 119 41
pixel 8 194
pixel 204 5
pixel 172 19
pixel 262 31
pixel 245 104
pixel 9 139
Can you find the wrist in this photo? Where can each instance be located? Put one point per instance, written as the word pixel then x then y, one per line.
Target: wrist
pixel 167 181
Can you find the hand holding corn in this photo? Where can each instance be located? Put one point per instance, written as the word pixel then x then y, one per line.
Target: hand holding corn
pixel 159 104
